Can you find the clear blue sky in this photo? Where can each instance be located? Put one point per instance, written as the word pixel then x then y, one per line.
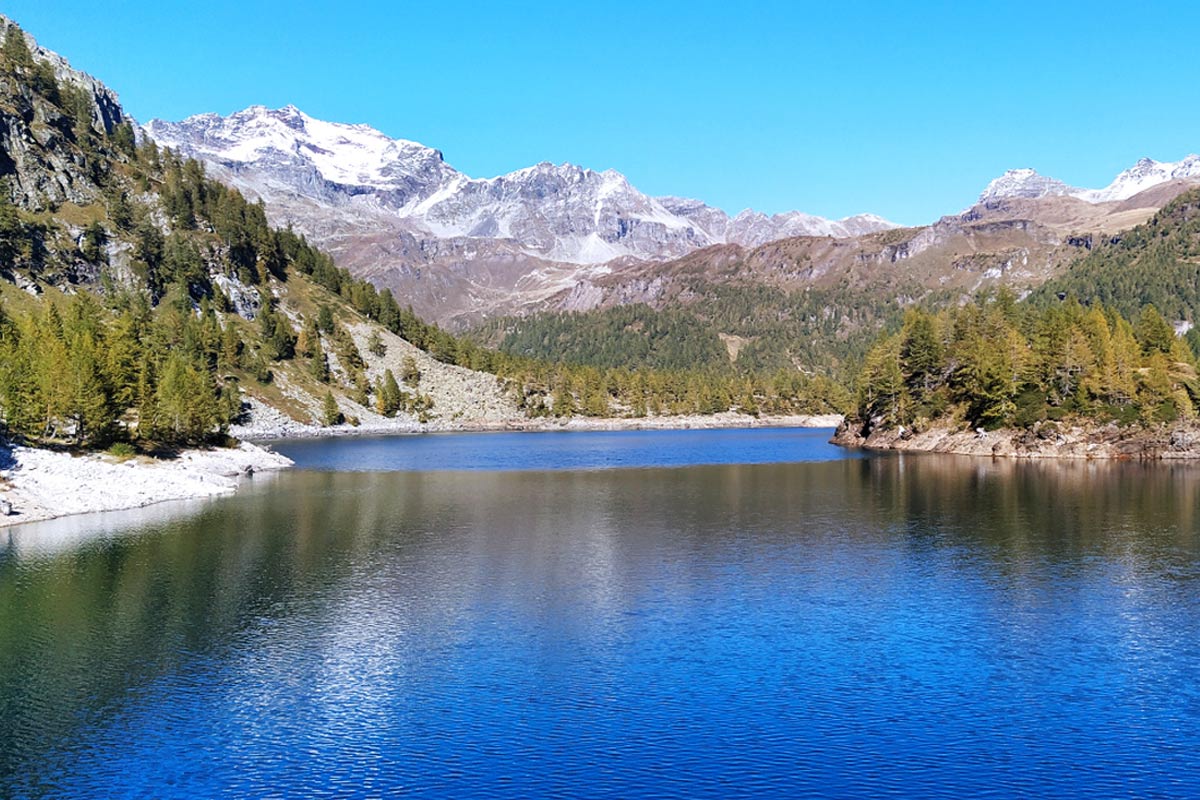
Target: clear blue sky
pixel 902 110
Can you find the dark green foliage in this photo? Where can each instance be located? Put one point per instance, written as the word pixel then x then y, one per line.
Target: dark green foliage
pixel 16 50
pixel 13 235
pixel 619 337
pixel 1157 263
pixel 347 351
pixel 318 365
pixel 76 102
pixel 330 413
pixel 278 340
pixel 94 240
pixel 324 319
pixel 42 81
pixel 121 212
pixel 123 138
pixel 824 330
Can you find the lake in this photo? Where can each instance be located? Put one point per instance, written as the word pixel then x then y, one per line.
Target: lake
pixel 685 614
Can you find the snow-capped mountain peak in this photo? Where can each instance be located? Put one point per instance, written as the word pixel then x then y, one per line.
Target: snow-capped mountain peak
pixel 1144 174
pixel 565 213
pixel 1024 183
pixel 287 140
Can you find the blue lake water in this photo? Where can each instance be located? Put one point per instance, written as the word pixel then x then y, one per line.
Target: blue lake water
pixel 583 615
pixel 565 450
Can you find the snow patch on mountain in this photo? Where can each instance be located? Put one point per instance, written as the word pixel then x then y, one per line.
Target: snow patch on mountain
pixel 329 162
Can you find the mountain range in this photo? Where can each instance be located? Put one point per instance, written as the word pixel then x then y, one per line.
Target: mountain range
pixel 395 212
pixel 464 249
pixel 563 213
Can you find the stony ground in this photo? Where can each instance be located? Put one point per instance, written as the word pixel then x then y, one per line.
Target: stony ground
pixel 1082 441
pixel 41 484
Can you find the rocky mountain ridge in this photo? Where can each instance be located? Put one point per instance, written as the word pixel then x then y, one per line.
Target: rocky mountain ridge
pixel 560 213
pixel 1145 174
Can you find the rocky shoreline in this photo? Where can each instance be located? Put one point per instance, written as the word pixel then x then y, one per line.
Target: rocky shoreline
pixel 1110 441
pixel 266 425
pixel 38 484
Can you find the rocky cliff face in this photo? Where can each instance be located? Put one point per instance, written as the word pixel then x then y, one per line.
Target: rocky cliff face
pixel 41 155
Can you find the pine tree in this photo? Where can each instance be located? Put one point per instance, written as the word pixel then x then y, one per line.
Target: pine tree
pixel 16 49
pixel 324 319
pixel 1154 333
pixel 563 401
pixel 121 212
pixel 330 413
pixel 882 399
pixel 187 407
pixel 920 350
pixel 123 138
pixel 89 406
pixel 375 345
pixel 95 238
pixel 309 339
pixel 388 397
pixel 409 373
pixel 318 365
pixel 231 347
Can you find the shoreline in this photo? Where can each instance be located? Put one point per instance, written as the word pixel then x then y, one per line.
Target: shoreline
pixel 277 430
pixel 39 484
pixel 1082 441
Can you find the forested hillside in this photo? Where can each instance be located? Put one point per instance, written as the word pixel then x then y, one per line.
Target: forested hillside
pixel 736 329
pixel 1155 263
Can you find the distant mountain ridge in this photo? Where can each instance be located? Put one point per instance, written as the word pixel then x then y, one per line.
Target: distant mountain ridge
pixel 561 213
pixel 1145 174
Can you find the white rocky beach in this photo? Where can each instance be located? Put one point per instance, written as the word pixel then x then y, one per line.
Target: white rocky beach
pixel 38 484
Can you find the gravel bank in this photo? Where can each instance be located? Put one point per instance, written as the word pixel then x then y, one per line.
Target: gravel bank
pixel 42 484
